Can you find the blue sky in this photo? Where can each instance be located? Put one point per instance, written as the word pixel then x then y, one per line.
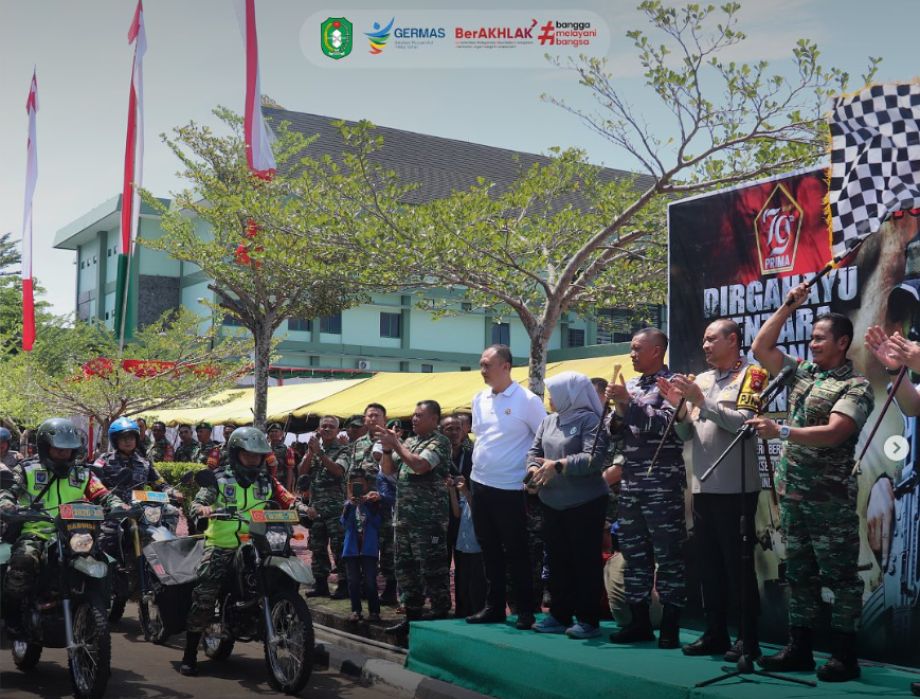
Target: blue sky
pixel 195 61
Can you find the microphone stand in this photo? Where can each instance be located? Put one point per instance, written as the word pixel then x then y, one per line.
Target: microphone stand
pixel 745 664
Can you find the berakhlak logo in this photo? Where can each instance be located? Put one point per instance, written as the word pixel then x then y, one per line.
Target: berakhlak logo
pixel 546 34
pixel 336 37
pixel 379 36
pixel 777 229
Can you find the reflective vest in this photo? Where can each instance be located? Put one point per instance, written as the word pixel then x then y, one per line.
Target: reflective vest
pixel 225 534
pixel 62 491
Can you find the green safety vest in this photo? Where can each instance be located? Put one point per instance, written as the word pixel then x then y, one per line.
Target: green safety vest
pixel 225 534
pixel 62 491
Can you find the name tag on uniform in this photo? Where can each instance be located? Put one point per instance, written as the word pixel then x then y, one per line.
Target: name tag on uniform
pixel 41 477
pixel 230 492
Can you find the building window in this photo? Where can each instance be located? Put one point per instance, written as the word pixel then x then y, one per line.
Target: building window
pixel 466 307
pixel 300 324
pixel 232 321
pixel 331 324
pixel 619 324
pixel 501 334
pixel 427 368
pixel 465 368
pixel 390 325
pixel 576 337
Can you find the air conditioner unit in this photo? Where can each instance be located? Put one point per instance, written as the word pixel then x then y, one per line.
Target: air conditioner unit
pixel 364 364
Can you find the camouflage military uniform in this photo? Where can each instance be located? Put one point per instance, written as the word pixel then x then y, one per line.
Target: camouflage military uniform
pixel 327 495
pixel 651 506
pixel 281 463
pixel 11 458
pixel 188 453
pixel 421 526
pixel 818 505
pixel 216 562
pixel 209 454
pixel 29 549
pixel 359 456
pixel 161 451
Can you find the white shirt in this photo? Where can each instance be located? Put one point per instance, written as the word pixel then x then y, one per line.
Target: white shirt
pixel 504 424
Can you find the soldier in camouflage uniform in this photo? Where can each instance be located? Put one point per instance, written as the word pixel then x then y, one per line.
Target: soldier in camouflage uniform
pixel 224 459
pixel 187 451
pixel 421 465
pixel 161 450
pixel 327 494
pixel 364 455
pixel 245 480
pixel 208 449
pixel 652 525
pixel 58 462
pixel 8 457
pixel 281 460
pixel 828 405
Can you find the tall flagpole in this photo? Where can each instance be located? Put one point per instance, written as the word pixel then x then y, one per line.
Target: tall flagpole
pixel 28 292
pixel 133 175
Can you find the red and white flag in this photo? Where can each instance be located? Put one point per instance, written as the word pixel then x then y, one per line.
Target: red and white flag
pixel 134 143
pixel 259 154
pixel 28 295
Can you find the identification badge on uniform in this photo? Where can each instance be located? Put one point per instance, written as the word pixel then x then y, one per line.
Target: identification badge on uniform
pixel 41 477
pixel 573 431
pixel 754 381
pixel 230 492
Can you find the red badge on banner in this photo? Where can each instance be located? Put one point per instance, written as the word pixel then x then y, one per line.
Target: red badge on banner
pixel 777 229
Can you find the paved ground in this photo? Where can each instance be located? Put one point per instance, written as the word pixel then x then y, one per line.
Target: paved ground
pixel 142 669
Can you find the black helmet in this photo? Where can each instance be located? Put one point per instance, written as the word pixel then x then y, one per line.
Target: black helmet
pixel 247 439
pixel 60 433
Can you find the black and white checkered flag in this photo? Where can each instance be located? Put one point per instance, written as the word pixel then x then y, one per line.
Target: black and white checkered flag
pixel 875 160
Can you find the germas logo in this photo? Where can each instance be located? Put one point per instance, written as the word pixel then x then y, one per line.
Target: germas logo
pixel 556 33
pixel 379 37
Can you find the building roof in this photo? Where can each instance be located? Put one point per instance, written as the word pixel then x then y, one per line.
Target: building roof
pixel 439 165
pixel 104 217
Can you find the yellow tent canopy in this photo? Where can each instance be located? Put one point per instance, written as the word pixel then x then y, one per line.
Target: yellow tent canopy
pixel 282 401
pixel 398 391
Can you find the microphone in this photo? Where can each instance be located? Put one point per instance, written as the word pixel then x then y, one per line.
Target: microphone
pixel 777 382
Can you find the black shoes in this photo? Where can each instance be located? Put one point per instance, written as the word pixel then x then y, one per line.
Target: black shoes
pixel 796 656
pixel 639 629
pixel 189 665
pixel 487 615
pixel 843 665
pixel 915 688
pixel 669 632
pixel 708 645
pixel 733 654
pixel 400 629
pixel 524 621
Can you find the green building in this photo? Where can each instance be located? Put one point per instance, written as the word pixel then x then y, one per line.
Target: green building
pixel 395 332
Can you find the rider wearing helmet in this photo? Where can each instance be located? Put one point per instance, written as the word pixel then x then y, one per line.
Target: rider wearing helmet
pixel 124 468
pixel 8 457
pixel 56 476
pixel 246 485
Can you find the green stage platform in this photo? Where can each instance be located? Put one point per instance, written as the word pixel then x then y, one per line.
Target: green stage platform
pixel 502 662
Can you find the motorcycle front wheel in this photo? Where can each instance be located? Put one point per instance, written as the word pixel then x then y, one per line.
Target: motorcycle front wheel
pixel 90 659
pixel 289 659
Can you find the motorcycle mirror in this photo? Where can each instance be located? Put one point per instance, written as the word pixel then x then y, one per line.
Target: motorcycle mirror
pixel 205 478
pixel 303 482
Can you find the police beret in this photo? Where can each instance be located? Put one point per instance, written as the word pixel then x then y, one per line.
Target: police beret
pixel 355 421
pixel 204 426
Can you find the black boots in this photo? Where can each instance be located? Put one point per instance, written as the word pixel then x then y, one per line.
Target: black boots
pixel 795 656
pixel 320 588
pixel 189 666
pixel 712 642
pixel 843 665
pixel 487 615
pixel 402 628
pixel 669 632
pixel 639 628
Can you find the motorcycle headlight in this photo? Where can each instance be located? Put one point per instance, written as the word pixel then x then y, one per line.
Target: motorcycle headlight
pixel 152 515
pixel 277 540
pixel 81 543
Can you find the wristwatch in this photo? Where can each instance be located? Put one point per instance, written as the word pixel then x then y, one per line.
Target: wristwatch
pixel 784 432
pixel 558 467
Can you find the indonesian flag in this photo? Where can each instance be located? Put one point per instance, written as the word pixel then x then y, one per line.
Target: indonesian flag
pixel 28 297
pixel 258 138
pixel 134 143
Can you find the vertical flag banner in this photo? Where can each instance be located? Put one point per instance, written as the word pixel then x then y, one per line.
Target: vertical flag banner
pixel 28 296
pixel 258 138
pixel 125 310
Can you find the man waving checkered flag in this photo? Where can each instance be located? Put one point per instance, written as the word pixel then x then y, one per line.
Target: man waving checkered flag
pixel 875 160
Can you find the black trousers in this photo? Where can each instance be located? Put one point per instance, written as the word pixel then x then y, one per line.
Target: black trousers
pixel 500 522
pixel 716 530
pixel 574 542
pixel 469 583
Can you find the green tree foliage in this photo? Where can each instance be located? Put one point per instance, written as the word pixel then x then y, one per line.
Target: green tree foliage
pixel 565 238
pixel 261 274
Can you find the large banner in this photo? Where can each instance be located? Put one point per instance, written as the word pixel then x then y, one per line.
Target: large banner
pixel 735 254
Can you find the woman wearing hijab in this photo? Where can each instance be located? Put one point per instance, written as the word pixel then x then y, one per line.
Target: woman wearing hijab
pixel 574 499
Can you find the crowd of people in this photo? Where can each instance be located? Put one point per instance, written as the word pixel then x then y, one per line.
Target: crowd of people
pixel 578 510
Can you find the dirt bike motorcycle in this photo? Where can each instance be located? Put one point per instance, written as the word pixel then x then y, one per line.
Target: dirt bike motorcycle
pixel 67 607
pixel 260 598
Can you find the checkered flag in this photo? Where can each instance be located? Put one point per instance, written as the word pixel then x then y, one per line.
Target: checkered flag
pixel 875 160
